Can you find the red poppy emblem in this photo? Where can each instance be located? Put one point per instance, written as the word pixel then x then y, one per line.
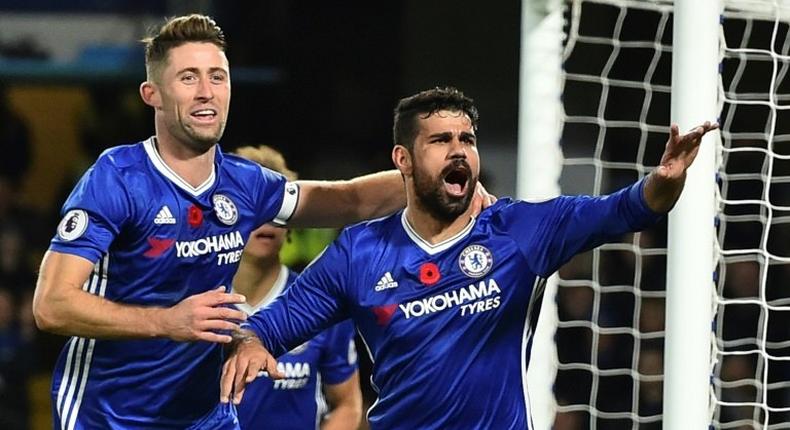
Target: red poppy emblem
pixel 194 216
pixel 384 313
pixel 429 274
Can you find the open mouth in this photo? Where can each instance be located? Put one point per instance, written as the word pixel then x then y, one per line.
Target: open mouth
pixel 456 179
pixel 204 115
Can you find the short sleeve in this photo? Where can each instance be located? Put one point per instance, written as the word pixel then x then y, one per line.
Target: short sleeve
pixel 276 198
pixel 94 213
pixel 339 358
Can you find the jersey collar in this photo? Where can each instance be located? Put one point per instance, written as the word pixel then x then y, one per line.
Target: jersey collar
pixel 167 172
pixel 428 247
pixel 277 288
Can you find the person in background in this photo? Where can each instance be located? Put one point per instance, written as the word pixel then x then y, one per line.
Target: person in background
pixel 326 364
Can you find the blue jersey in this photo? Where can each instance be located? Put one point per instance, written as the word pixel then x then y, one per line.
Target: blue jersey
pixel 155 240
pixel 448 325
pixel 296 402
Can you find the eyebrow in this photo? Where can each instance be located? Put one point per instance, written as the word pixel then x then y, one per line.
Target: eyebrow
pixel 196 70
pixel 447 135
pixel 443 135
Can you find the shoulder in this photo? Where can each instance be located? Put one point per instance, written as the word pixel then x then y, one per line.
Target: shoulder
pixel 508 214
pixel 242 166
pixel 374 229
pixel 508 207
pixel 121 157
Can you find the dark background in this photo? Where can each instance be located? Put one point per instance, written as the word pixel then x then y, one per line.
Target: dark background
pixel 316 80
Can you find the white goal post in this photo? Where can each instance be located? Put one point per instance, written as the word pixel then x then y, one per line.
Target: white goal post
pixel 691 241
pixel 588 119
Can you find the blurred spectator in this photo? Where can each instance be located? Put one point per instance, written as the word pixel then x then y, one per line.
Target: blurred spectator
pixel 15 223
pixel 15 141
pixel 15 366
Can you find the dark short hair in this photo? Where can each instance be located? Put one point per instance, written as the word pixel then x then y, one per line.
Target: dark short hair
pixel 423 105
pixel 176 32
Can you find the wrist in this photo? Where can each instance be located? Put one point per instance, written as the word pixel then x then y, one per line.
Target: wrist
pixel 155 318
pixel 244 335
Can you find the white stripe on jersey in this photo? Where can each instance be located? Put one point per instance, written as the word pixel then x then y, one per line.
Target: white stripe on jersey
pixel 537 295
pixel 89 285
pixel 320 403
pixel 68 411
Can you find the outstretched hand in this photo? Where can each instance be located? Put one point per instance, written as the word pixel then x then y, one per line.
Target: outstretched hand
pixel 247 360
pixel 665 183
pixel 681 150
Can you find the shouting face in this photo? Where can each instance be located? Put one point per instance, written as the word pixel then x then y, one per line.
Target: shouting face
pixel 445 163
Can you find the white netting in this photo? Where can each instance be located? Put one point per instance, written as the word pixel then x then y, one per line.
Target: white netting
pixel 611 301
pixel 610 335
pixel 751 382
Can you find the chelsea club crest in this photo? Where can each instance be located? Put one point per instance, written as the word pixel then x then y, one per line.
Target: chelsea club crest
pixel 475 261
pixel 225 209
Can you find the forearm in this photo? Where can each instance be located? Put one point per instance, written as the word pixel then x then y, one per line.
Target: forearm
pixel 60 305
pixel 346 401
pixel 339 203
pixel 379 194
pixel 661 193
pixel 79 313
pixel 343 417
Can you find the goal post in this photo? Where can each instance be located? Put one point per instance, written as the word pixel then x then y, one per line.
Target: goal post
pixel 539 162
pixel 691 232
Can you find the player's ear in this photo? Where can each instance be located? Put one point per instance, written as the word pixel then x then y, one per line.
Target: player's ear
pixel 149 92
pixel 401 157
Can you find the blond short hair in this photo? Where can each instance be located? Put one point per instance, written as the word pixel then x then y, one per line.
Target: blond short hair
pixel 269 158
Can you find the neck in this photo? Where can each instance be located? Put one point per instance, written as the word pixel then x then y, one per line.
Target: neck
pixel 431 229
pixel 256 277
pixel 193 167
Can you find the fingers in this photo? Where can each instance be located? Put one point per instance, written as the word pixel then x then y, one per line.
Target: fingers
pixel 271 368
pixel 477 204
pixel 218 296
pixel 217 325
pixel 228 314
pixel 481 199
pixel 213 337
pixel 226 381
pixel 242 367
pixel 246 371
pixel 488 199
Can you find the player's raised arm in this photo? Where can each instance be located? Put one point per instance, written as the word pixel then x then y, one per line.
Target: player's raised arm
pixel 338 203
pixel 60 305
pixel 665 183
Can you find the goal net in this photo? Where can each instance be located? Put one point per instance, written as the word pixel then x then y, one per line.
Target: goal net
pixel 611 302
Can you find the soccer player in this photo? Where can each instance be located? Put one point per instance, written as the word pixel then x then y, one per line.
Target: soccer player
pixel 327 362
pixel 446 302
pixel 140 269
